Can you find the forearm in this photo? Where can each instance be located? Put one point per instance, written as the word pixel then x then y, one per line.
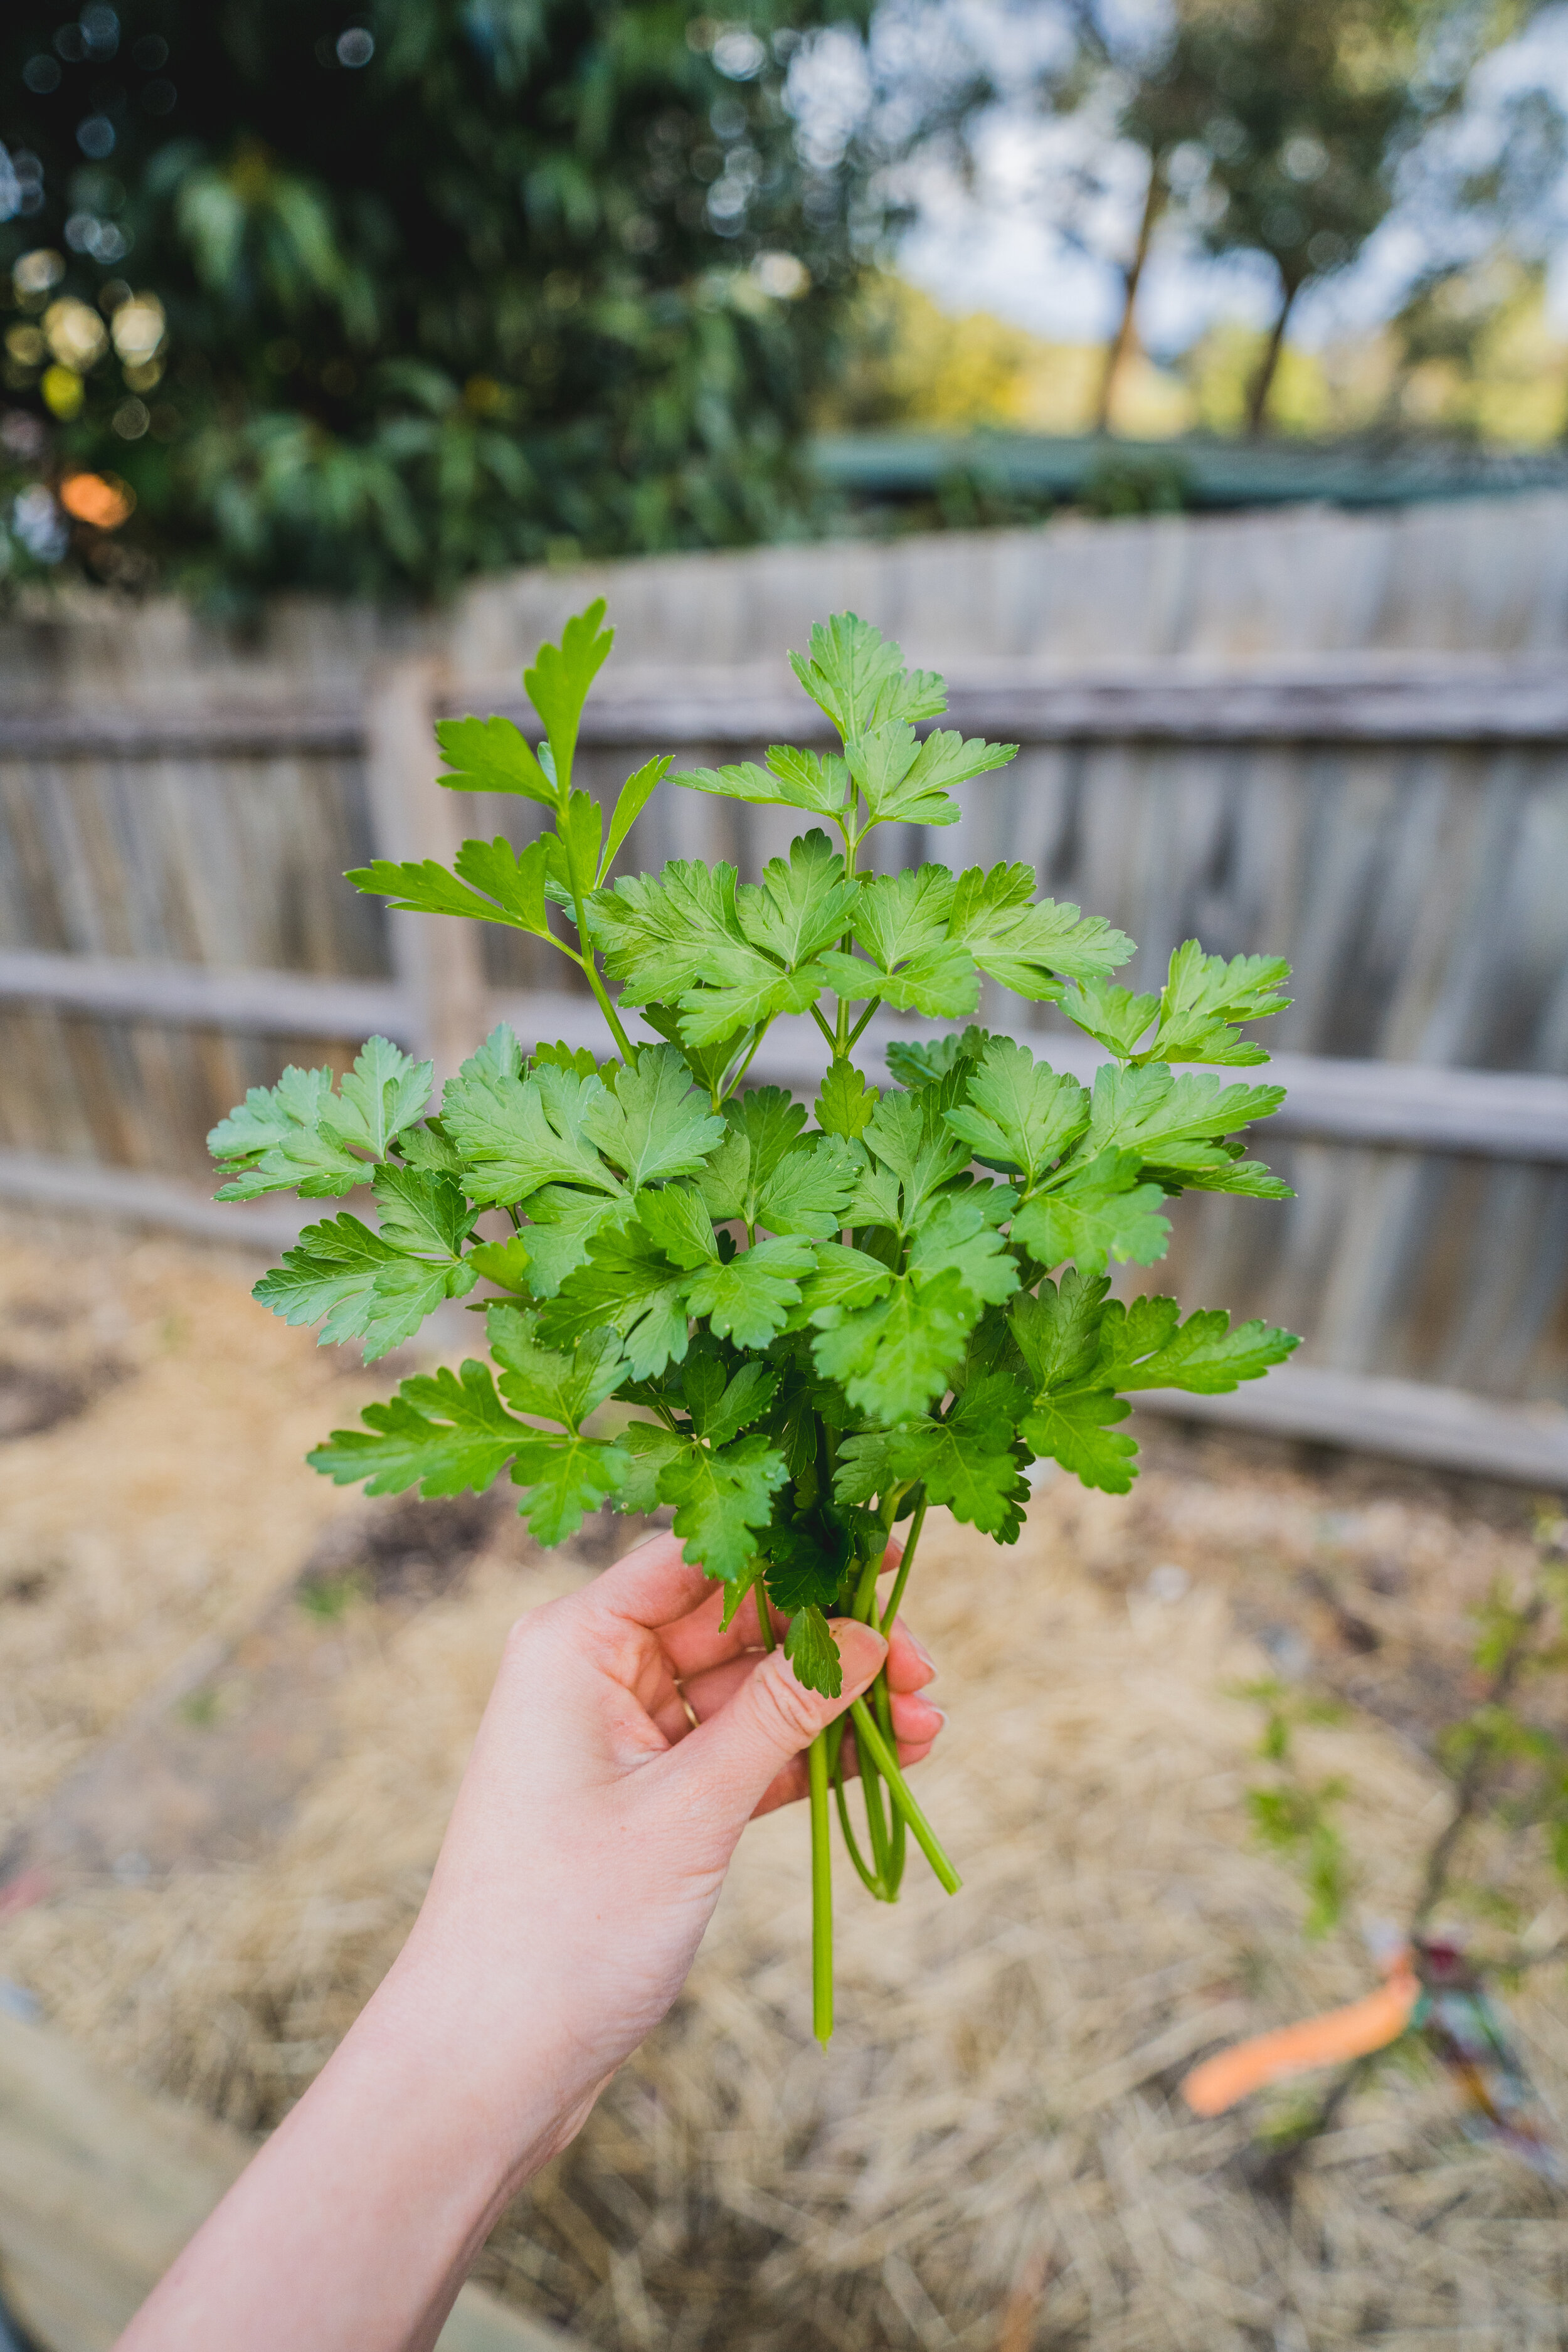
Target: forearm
pixel 355 2225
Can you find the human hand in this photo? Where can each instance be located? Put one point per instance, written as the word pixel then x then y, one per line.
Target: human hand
pixel 584 1858
pixel 596 1822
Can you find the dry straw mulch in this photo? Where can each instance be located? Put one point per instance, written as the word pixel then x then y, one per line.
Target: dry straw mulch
pixel 992 2153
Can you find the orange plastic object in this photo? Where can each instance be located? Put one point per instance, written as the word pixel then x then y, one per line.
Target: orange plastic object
pixel 1327 2041
pixel 103 500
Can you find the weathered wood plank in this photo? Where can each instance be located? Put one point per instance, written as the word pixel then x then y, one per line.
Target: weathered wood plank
pixel 1522 702
pixel 208 996
pixel 440 963
pixel 1509 1114
pixel 100 2186
pixel 1412 1421
pixel 30 1180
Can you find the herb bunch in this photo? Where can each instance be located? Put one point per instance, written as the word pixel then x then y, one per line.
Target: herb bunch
pixel 820 1327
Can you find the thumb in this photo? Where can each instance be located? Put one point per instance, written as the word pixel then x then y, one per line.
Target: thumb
pixel 737 1753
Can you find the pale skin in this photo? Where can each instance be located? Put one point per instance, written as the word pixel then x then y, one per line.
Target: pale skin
pixel 586 1853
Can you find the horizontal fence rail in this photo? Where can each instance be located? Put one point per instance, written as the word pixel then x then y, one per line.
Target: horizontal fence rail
pixel 1453 701
pixel 1497 1114
pixel 1403 1116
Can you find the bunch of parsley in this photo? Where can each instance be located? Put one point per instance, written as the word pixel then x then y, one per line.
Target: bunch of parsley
pixel 820 1327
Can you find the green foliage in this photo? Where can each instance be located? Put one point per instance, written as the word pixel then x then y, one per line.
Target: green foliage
pixel 817 1327
pixel 497 284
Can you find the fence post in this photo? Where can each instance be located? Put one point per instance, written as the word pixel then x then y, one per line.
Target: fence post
pixel 438 961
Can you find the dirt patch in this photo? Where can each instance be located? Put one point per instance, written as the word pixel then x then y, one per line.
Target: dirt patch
pixel 402 1549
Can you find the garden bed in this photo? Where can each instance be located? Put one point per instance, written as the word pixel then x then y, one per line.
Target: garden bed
pixel 991 2153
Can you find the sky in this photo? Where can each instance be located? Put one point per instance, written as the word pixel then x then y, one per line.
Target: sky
pixel 988 243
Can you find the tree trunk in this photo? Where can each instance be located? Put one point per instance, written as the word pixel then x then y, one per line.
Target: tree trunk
pixel 1263 382
pixel 1122 341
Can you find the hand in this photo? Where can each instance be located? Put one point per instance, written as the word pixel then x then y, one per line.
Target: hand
pixel 596 1822
pixel 584 1858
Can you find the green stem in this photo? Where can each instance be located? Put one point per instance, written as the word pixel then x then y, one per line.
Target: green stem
pixel 584 957
pixel 893 1869
pixel 864 1605
pixel 816 1012
pixel 854 1032
pixel 608 1010
pixel 870 1740
pixel 903 1577
pixel 732 1082
pixel 876 1819
pixel 764 1614
pixel 868 1878
pixel 821 1894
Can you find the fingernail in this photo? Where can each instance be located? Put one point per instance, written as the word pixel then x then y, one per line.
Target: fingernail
pixel 921 1653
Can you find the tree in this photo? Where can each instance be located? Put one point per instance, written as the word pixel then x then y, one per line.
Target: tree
pixel 366 299
pixel 1269 127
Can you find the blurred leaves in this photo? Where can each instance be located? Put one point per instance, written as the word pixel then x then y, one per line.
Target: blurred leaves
pixel 530 280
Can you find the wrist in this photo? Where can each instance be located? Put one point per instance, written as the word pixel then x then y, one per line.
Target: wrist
pixel 493 2064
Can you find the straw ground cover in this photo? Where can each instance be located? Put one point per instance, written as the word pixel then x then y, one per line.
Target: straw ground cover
pixel 994 2155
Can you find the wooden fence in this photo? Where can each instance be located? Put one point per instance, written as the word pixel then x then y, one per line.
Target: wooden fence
pixel 1346 739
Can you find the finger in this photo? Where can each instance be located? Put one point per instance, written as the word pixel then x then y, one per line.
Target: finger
pixel 909 1665
pixel 915 1720
pixel 650 1586
pixel 699 1641
pixel 729 1761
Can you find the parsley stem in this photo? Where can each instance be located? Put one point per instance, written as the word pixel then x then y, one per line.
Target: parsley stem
pixel 903 1577
pixel 854 1036
pixel 893 1868
pixel 821 1893
pixel 868 1740
pixel 868 1878
pixel 608 1010
pixel 816 1012
pixel 876 1823
pixel 750 1054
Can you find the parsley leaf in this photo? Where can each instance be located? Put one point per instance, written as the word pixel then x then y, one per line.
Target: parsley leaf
pixel 558 683
pixel 540 1380
pixel 845 1102
pixel 1101 1212
pixel 1145 1346
pixel 654 1125
pixel 1028 947
pixel 857 677
pixel 1163 1118
pixel 1017 1112
pixel 749 1297
pixel 628 1285
pixel 1076 1429
pixel 892 1359
pixel 441 1433
pixel 566 1477
pixel 630 802
pixel 300 1135
pixel 520 1134
pixel 1115 1017
pixel 491 881
pixel 767 1174
pixel 683 940
pixel 722 1498
pixel 377 1286
pixel 488 755
pixel 1203 996
pixel 792 779
pixel 813 1653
